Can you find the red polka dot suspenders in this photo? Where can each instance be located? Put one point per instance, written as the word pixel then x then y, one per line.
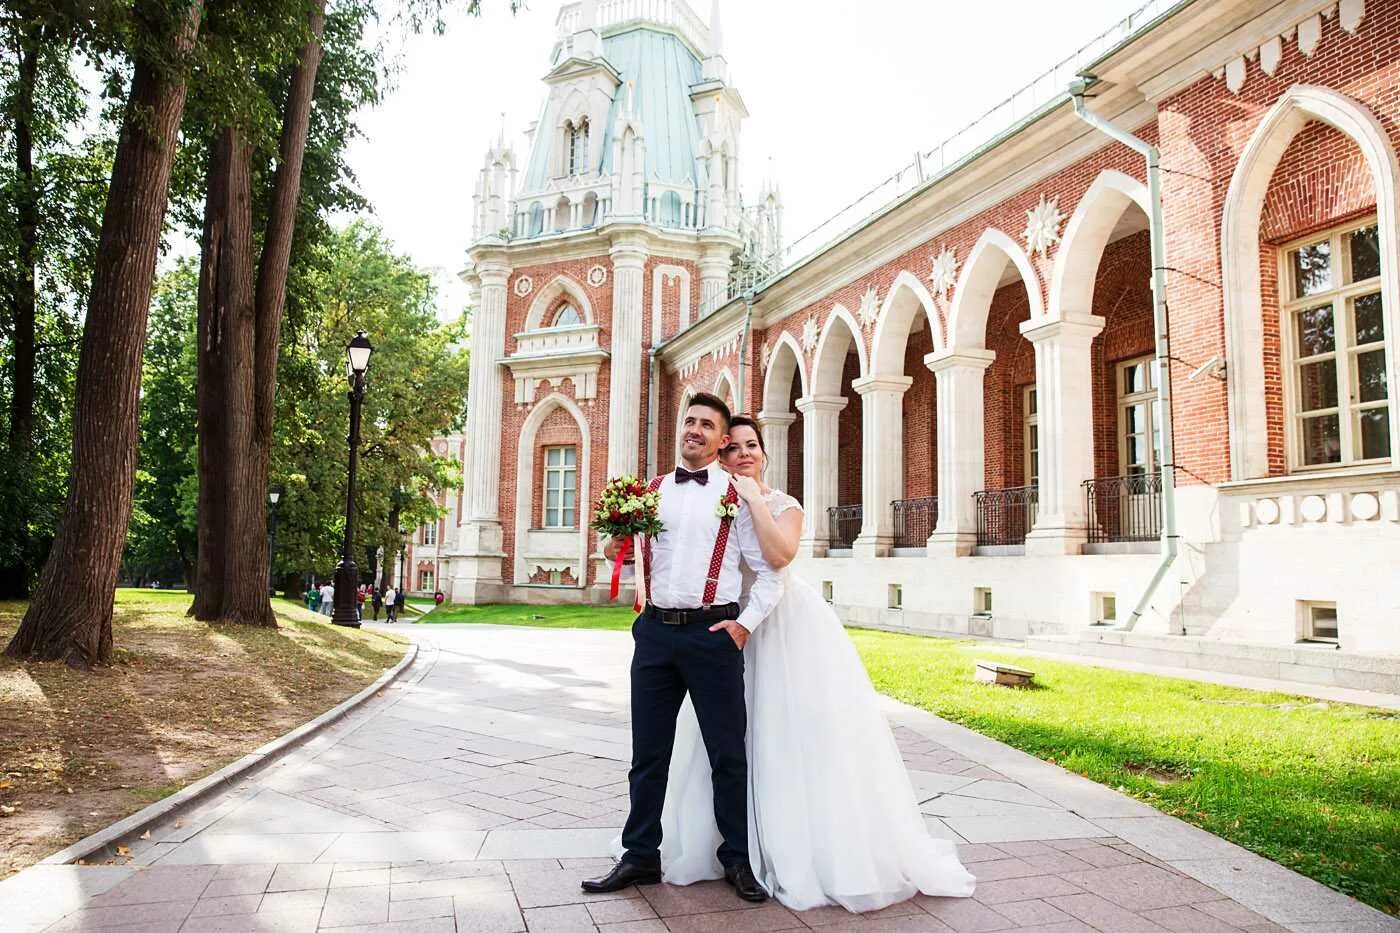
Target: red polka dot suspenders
pixel 731 497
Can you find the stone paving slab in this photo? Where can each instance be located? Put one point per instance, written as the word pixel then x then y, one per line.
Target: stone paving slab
pixel 478 791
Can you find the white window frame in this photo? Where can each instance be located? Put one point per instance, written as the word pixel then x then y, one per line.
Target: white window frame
pixel 1147 397
pixel 553 518
pixel 1344 351
pixel 427 534
pixel 1307 631
pixel 426 580
pixel 559 311
pixel 1030 426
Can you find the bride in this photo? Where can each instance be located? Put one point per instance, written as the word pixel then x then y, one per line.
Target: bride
pixel 832 815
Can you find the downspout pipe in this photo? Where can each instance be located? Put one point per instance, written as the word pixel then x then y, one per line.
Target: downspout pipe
pixel 739 394
pixel 1165 455
pixel 653 386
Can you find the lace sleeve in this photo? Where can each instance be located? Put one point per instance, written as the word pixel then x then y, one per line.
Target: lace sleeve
pixel 779 502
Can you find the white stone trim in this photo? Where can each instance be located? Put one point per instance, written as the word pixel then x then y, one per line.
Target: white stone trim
pixel 1085 238
pixel 972 299
pixel 722 379
pixel 824 381
pixel 896 320
pixel 525 481
pixel 1239 251
pixel 559 285
pixel 683 402
pixel 777 363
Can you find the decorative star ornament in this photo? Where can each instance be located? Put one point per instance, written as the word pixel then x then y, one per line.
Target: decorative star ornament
pixel 869 307
pixel 944 272
pixel 1043 226
pixel 809 334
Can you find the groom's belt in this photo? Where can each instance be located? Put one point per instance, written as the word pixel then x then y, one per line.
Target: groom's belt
pixel 724 613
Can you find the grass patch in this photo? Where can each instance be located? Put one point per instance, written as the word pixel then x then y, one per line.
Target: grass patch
pixel 182 699
pixel 594 617
pixel 1314 787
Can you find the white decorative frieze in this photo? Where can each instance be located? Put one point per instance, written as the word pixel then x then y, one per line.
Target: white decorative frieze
pixel 944 272
pixel 1043 226
pixel 1307 32
pixel 869 307
pixel 597 275
pixel 688 368
pixel 524 286
pixel 809 334
pixel 1351 507
pixel 720 350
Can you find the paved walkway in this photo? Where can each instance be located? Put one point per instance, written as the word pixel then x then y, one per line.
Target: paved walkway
pixel 475 793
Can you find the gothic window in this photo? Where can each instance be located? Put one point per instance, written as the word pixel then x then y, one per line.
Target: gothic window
pixel 576 147
pixel 560 486
pixel 566 316
pixel 1030 422
pixel 1137 421
pixel 428 533
pixel 1338 399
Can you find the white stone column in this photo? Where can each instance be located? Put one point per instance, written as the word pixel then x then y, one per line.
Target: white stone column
pixel 819 444
pixel 476 569
pixel 774 425
pixel 1065 423
pixel 714 277
pixel 629 257
pixel 958 377
pixel 882 460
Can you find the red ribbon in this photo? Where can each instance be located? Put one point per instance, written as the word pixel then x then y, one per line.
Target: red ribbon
pixel 617 566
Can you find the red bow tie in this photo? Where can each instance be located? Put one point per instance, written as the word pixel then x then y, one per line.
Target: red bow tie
pixel 684 476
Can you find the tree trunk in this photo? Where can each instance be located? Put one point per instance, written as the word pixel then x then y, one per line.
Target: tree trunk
pixel 70 615
pixel 245 593
pixel 14 579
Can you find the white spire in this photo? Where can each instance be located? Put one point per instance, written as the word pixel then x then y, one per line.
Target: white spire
pixel 716 30
pixel 585 41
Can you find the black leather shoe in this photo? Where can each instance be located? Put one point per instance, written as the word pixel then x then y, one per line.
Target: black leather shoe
pixel 624 875
pixel 741 878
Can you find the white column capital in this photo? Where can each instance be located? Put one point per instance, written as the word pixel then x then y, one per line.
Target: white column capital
pixel 628 251
pixel 768 419
pixel 818 403
pixel 1068 327
pixel 491 274
pixel 882 383
pixel 945 360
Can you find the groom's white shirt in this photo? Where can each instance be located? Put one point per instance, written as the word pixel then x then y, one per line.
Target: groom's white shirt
pixel 680 555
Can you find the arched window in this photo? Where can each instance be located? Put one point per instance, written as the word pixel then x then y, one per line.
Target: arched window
pixel 576 147
pixel 561 214
pixel 670 209
pixel 536 219
pixel 566 316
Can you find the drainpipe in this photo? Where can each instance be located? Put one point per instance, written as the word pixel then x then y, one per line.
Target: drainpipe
pixel 653 386
pixel 1165 455
pixel 743 344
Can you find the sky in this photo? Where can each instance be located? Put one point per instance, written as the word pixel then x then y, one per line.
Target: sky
pixel 840 95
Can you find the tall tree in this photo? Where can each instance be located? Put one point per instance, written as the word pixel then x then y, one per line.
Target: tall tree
pixel 70 616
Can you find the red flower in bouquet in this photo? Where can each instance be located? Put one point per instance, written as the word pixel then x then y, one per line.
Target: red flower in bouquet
pixel 626 509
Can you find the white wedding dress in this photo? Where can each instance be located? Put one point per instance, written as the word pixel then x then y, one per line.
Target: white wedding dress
pixel 832 815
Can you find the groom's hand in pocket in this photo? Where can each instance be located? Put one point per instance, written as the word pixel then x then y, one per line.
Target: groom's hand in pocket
pixel 735 630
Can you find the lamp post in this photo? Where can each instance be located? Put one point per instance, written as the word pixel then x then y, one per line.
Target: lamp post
pixel 347 575
pixel 274 495
pixel 403 550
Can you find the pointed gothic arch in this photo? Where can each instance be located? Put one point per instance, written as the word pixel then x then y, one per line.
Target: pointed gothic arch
pixel 907 297
pixel 1239 255
pixel 525 484
pixel 545 299
pixel 1086 235
pixel 726 390
pixel 838 334
pixel 978 283
pixel 787 359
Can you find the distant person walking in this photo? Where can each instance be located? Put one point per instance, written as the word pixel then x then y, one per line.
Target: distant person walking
pixel 313 596
pixel 360 593
pixel 398 604
pixel 327 598
pixel 377 602
pixel 391 597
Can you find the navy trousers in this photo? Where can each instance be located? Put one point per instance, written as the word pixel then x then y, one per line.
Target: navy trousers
pixel 669 661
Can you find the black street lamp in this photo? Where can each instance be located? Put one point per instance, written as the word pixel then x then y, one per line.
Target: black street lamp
pixel 274 495
pixel 403 550
pixel 347 575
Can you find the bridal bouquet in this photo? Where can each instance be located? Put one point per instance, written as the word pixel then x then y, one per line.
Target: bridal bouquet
pixel 625 510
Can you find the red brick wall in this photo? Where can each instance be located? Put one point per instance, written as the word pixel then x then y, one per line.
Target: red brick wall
pixel 849 445
pixel 796 479
pixel 1203 130
pixel 1123 298
pixel 920 419
pixel 1003 385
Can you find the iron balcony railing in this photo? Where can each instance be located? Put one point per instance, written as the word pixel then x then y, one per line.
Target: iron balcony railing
pixel 914 520
pixel 1004 515
pixel 1124 508
pixel 843 525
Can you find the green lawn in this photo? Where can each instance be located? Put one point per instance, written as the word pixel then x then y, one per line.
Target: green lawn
pixel 1315 787
pixel 604 617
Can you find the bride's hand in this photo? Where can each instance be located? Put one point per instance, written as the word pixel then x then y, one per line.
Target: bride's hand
pixel 748 489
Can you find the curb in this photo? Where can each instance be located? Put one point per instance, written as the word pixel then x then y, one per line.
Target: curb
pixel 209 784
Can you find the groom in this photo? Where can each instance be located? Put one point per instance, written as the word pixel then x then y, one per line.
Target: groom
pixel 690 639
